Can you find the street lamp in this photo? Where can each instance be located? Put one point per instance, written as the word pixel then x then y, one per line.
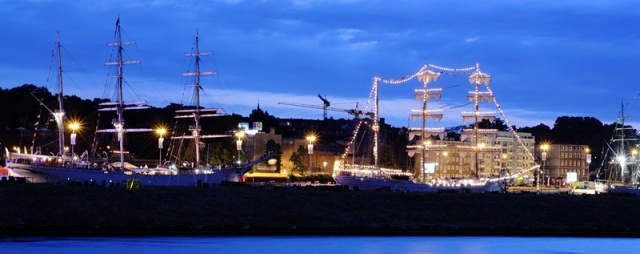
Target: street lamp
pixel 73 126
pixel 587 152
pixel 239 135
pixel 545 148
pixel 160 132
pixel 311 139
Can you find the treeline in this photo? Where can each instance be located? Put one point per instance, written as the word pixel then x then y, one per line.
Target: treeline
pixel 580 131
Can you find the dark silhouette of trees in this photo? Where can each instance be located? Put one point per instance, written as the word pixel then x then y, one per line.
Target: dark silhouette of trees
pixel 496 124
pixel 541 131
pixel 272 146
pixel 400 142
pixel 298 158
pixel 575 130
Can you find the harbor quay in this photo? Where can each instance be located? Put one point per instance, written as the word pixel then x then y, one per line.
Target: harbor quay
pixel 235 208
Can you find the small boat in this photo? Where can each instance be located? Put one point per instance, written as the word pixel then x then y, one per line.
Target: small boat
pixel 427 141
pixel 69 168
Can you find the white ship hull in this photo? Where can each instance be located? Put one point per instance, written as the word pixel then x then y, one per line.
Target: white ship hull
pixel 380 183
pixel 35 173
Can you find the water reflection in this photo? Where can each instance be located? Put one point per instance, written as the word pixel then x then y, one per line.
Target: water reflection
pixel 319 244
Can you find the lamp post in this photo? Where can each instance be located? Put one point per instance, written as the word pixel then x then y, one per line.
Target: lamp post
pixel 545 148
pixel 239 135
pixel 73 126
pixel 311 139
pixel 160 132
pixel 587 152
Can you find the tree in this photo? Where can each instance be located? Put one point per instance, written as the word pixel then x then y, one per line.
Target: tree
pixel 386 156
pixel 496 124
pixel 541 132
pixel 575 129
pixel 218 154
pixel 272 146
pixel 400 143
pixel 297 158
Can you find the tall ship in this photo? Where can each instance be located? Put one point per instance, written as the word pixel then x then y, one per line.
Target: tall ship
pixel 19 162
pixel 68 167
pixel 620 171
pixel 425 141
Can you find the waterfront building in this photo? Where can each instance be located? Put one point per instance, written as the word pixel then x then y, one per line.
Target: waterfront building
pixel 562 159
pixel 454 160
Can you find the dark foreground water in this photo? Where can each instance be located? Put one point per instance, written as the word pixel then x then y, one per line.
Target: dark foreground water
pixel 320 244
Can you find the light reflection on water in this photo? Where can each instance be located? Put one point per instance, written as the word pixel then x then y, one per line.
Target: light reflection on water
pixel 320 244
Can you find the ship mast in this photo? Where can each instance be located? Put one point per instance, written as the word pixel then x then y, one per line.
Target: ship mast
pixel 624 150
pixel 478 78
pixel 119 105
pixel 199 111
pixel 59 114
pixel 425 94
pixel 376 124
pixel 196 116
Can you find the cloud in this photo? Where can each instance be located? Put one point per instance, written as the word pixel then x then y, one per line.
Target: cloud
pixel 542 57
pixel 363 45
pixel 348 34
pixel 472 39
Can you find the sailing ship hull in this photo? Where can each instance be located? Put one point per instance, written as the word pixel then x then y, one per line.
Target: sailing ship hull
pixel 100 177
pixel 378 183
pixel 374 183
pixel 51 174
pixel 624 190
pixel 22 171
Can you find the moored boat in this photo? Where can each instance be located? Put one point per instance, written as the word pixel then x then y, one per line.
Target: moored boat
pixel 427 140
pixel 39 168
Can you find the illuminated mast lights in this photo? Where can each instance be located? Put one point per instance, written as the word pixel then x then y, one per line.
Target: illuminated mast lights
pixel 478 78
pixel 425 94
pixel 199 111
pixel 119 105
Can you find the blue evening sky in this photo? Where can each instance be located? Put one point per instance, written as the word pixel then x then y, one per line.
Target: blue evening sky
pixel 547 58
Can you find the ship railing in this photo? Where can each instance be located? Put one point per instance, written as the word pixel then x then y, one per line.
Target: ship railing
pixel 370 171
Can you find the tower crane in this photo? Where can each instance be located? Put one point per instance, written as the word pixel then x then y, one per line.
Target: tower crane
pixel 326 104
pixel 355 112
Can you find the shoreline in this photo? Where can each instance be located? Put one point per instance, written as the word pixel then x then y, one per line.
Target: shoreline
pixel 64 210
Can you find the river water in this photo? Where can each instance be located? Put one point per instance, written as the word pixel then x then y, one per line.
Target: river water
pixel 320 244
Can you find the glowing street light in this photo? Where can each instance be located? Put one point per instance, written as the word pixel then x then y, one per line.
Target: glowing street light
pixel 311 139
pixel 239 135
pixel 587 152
pixel 544 148
pixel 73 126
pixel 160 132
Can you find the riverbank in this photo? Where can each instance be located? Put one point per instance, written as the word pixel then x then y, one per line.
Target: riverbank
pixel 44 209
